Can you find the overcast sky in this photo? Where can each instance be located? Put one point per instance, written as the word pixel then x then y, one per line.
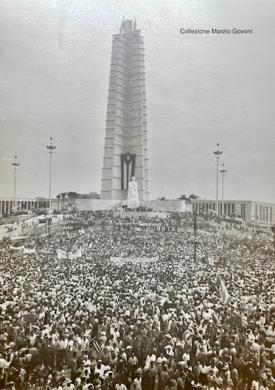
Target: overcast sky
pixel 54 70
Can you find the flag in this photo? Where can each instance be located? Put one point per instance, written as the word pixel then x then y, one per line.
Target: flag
pixel 223 290
pixel 95 344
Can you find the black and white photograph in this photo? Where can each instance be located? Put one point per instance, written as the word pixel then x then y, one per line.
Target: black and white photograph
pixel 137 195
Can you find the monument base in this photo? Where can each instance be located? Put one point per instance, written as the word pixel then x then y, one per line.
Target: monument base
pixel 157 205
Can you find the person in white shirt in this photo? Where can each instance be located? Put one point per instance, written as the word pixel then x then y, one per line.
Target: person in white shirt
pixel 137 382
pixel 3 363
pixel 87 364
pixel 150 358
pixel 161 359
pixel 100 369
pixel 68 385
pixel 120 386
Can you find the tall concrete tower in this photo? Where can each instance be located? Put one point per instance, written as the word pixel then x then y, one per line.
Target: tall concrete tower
pixel 126 136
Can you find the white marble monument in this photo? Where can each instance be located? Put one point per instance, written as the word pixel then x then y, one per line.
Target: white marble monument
pixel 133 199
pixel 126 149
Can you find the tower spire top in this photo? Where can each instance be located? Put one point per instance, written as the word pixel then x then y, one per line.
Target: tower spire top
pixel 127 25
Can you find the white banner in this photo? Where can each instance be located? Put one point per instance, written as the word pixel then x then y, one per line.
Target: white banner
pixel 76 254
pixel 16 248
pixel 133 260
pixel 29 250
pixel 61 254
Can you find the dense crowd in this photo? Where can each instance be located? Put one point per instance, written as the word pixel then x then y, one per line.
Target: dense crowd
pixel 172 221
pixel 89 323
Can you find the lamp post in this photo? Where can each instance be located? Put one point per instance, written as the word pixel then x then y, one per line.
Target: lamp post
pixel 217 154
pixel 273 230
pixel 15 164
pixel 51 148
pixel 195 241
pixel 223 171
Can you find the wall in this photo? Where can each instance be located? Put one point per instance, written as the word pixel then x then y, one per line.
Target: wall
pixel 98 204
pixel 168 205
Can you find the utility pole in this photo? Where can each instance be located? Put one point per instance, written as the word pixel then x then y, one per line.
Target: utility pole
pixel 217 154
pixel 51 148
pixel 34 229
pixel 15 164
pixel 223 171
pixel 273 230
pixel 194 241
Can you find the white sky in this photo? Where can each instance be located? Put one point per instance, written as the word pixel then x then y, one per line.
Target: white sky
pixel 54 70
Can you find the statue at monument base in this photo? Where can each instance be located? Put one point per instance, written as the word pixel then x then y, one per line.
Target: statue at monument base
pixel 132 199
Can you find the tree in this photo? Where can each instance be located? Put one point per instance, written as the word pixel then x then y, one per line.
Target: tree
pixel 72 195
pixel 193 197
pixel 182 197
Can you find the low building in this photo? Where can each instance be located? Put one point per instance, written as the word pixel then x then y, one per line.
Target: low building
pixel 247 210
pixel 7 205
pixel 74 195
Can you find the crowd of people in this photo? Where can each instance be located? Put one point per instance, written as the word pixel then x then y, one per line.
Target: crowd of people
pixel 172 221
pixel 89 323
